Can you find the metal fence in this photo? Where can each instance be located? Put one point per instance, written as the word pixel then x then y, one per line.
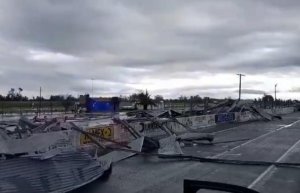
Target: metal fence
pixel 29 107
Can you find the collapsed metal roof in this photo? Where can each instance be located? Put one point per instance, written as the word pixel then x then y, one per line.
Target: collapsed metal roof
pixel 33 143
pixel 64 172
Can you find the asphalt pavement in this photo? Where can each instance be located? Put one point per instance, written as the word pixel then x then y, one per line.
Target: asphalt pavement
pixel 274 141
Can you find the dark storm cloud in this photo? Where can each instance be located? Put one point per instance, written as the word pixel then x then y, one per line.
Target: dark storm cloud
pixel 63 44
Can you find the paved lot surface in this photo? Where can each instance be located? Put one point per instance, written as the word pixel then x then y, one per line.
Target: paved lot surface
pixel 267 141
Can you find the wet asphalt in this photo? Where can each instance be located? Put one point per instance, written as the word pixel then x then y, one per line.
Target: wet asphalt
pixel 266 141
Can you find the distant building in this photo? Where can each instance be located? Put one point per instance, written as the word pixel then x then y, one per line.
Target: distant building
pixel 126 105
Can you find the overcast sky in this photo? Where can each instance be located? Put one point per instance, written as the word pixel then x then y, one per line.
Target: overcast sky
pixel 171 48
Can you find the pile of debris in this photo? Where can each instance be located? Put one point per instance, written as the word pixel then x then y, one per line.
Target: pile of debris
pixel 44 156
pixel 46 162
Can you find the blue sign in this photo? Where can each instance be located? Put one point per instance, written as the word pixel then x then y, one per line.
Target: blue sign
pixel 225 117
pixel 98 106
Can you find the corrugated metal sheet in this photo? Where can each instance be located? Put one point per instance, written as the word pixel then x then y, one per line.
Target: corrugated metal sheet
pixel 32 143
pixel 61 173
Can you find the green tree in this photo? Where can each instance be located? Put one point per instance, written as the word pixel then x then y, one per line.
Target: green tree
pixel 182 98
pixel 56 98
pixel 134 97
pixel 144 99
pixel 158 98
pixel 11 94
pixel 196 98
pixel 68 102
pixel 268 100
pixel 14 95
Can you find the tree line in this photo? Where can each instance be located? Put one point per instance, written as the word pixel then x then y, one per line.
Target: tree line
pixel 145 99
pixel 142 98
pixel 16 95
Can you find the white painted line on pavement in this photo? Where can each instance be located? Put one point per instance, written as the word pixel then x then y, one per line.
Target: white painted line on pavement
pixel 270 168
pixel 254 139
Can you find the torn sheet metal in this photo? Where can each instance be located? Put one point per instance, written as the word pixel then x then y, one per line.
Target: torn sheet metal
pixel 169 146
pixel 46 162
pixel 195 136
pixel 33 143
pixel 116 156
pixel 62 173
pixel 262 113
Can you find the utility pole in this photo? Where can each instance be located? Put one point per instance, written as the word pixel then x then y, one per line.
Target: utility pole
pixel 275 94
pixel 240 85
pixel 40 103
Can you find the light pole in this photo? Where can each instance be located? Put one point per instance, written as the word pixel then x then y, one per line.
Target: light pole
pixel 40 101
pixel 240 85
pixel 275 94
pixel 92 86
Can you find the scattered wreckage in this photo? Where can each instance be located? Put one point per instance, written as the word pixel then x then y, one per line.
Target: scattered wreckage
pixel 44 156
pixel 45 162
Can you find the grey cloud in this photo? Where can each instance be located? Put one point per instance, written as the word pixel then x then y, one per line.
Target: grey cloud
pixel 198 88
pixel 120 42
pixel 295 90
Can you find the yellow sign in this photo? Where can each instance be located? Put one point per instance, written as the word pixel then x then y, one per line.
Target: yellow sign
pixel 104 132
